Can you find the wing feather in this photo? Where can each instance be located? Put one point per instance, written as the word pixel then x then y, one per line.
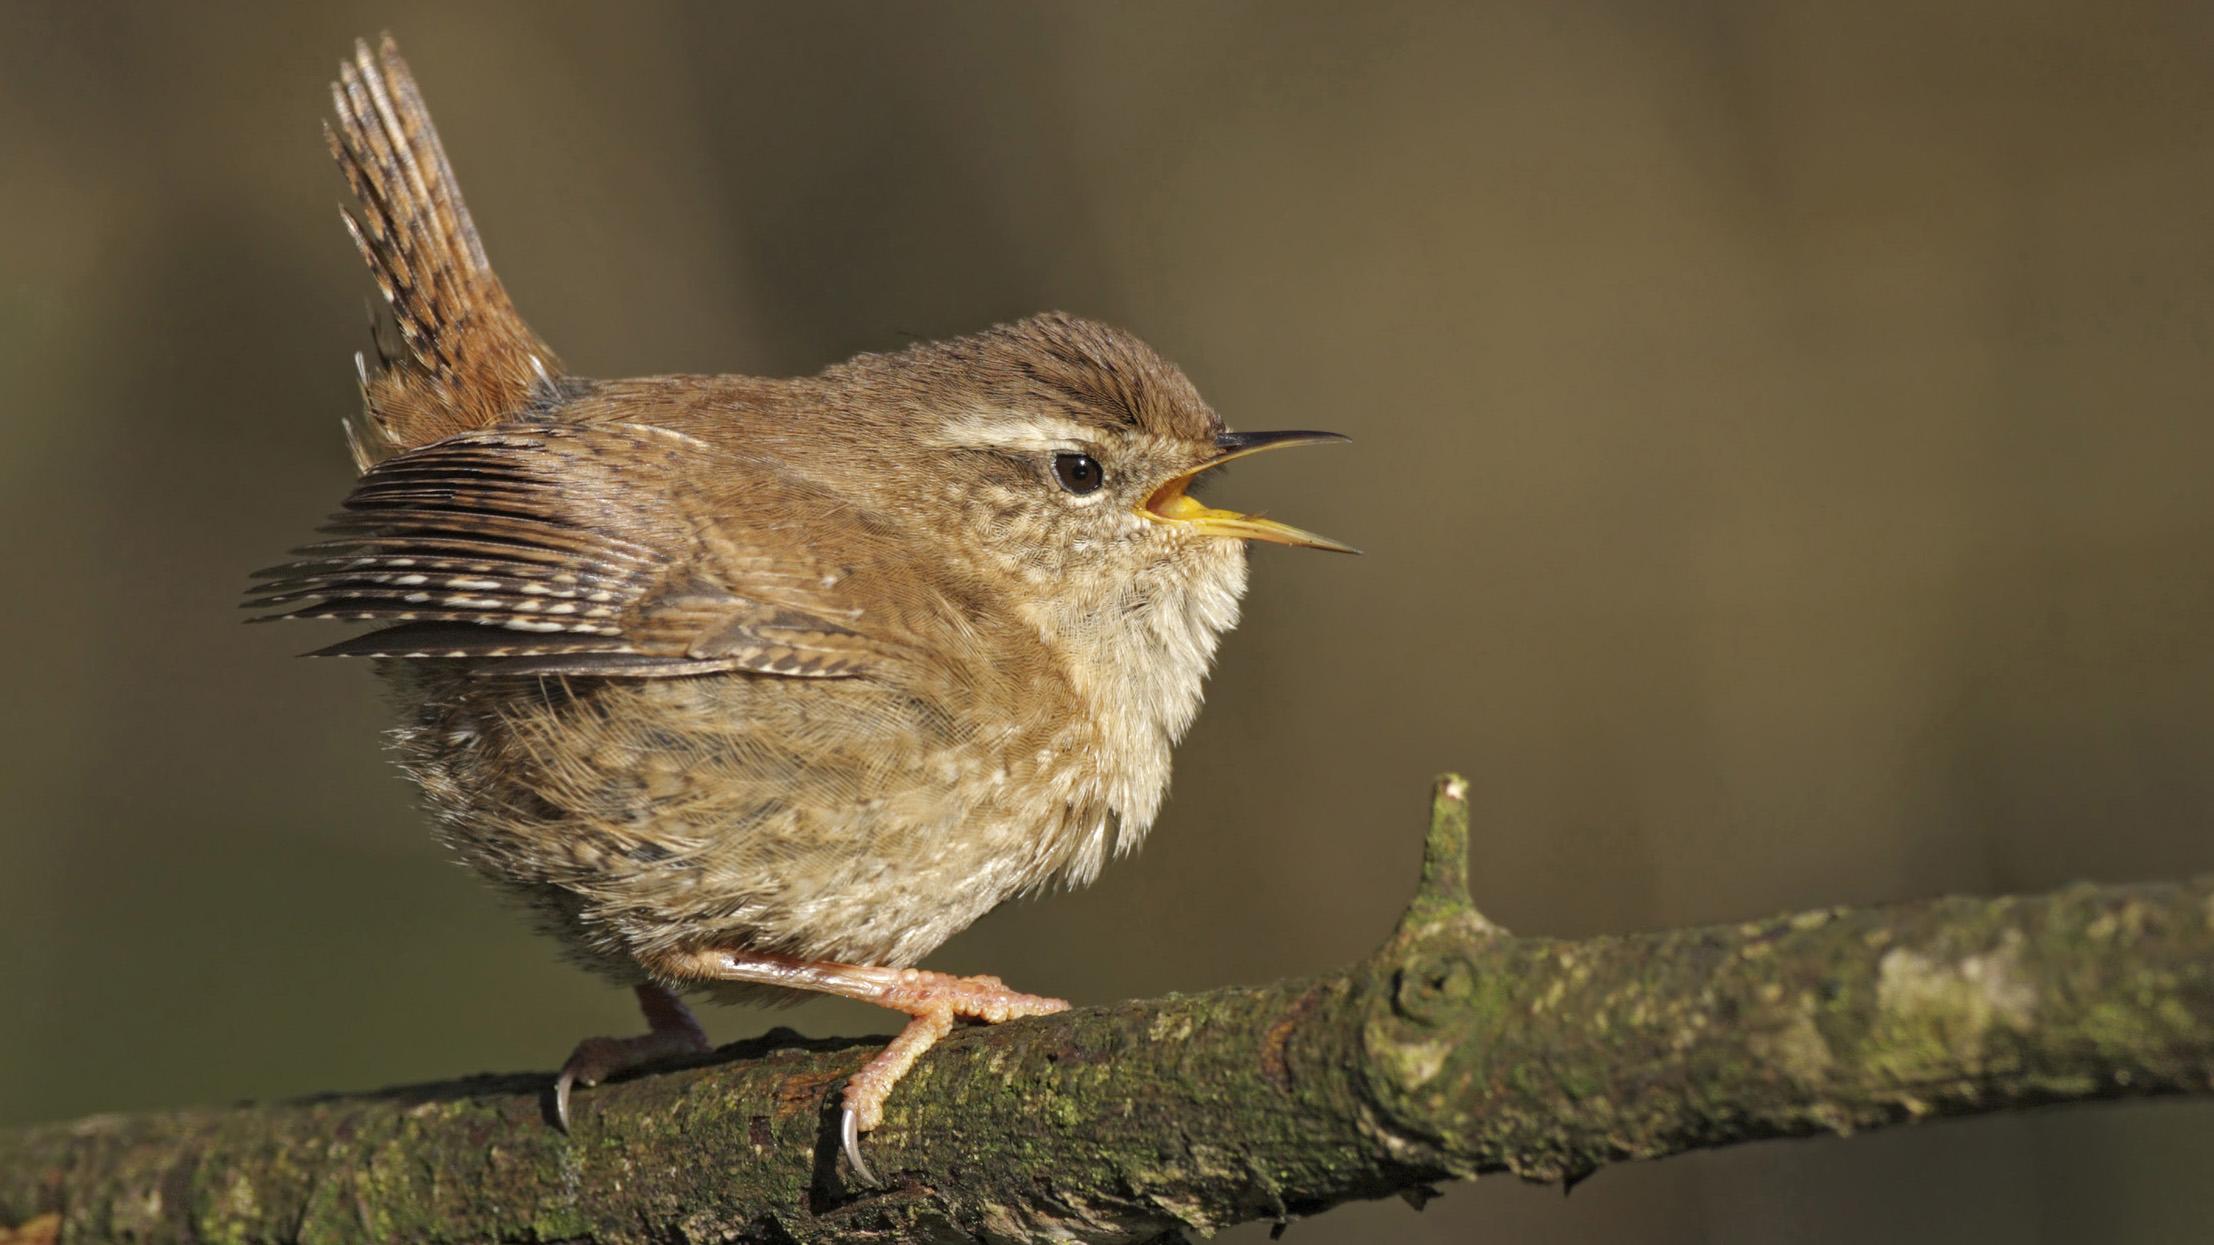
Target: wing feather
pixel 556 549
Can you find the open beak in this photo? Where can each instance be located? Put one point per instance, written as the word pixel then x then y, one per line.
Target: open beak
pixel 1170 503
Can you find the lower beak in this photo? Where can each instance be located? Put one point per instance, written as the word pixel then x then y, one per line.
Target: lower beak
pixel 1170 503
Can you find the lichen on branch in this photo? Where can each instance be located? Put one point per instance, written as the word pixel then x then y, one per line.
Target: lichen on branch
pixel 1456 1049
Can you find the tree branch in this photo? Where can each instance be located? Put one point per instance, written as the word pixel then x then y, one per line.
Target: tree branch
pixel 1455 1050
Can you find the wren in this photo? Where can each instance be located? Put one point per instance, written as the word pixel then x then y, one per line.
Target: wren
pixel 752 686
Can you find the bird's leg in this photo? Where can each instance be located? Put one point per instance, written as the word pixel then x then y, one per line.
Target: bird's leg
pixel 933 1000
pixel 670 1030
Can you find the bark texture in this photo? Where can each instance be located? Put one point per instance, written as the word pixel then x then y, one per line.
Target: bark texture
pixel 1457 1049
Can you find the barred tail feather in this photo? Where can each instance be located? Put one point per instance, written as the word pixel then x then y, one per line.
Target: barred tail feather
pixel 465 358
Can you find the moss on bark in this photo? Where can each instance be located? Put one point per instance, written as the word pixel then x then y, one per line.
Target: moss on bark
pixel 1457 1049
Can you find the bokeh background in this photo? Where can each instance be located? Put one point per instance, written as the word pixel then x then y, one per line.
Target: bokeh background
pixel 1783 442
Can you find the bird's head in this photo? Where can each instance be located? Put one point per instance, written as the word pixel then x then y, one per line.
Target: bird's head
pixel 1066 451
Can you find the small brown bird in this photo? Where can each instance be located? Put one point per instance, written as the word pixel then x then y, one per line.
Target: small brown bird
pixel 758 686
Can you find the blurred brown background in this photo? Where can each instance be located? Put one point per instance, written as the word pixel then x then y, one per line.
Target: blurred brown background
pixel 1783 451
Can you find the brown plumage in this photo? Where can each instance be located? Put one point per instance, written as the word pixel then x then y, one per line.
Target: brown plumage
pixel 468 360
pixel 757 685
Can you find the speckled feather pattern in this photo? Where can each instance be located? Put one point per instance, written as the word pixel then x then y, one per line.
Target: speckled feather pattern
pixel 968 737
pixel 826 667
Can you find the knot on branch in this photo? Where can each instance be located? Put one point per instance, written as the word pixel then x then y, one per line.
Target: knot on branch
pixel 1436 987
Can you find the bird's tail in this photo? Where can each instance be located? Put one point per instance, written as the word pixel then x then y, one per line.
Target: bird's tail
pixel 464 358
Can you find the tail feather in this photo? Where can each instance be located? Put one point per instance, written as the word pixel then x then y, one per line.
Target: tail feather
pixel 466 358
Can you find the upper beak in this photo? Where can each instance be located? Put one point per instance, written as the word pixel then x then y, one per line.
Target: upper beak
pixel 1171 504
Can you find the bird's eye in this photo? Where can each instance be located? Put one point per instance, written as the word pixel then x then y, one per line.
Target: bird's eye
pixel 1078 473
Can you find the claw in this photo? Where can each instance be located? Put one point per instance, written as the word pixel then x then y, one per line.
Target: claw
pixel 671 1031
pixel 849 1140
pixel 561 1098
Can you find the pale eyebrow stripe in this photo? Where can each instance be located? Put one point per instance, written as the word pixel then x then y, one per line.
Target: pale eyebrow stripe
pixel 1012 430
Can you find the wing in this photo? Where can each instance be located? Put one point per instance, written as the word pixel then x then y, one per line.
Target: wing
pixel 570 549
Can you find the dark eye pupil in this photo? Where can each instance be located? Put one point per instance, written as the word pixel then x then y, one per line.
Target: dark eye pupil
pixel 1079 473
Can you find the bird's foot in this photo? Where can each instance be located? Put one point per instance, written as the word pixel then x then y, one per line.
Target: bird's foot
pixel 671 1031
pixel 935 1001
